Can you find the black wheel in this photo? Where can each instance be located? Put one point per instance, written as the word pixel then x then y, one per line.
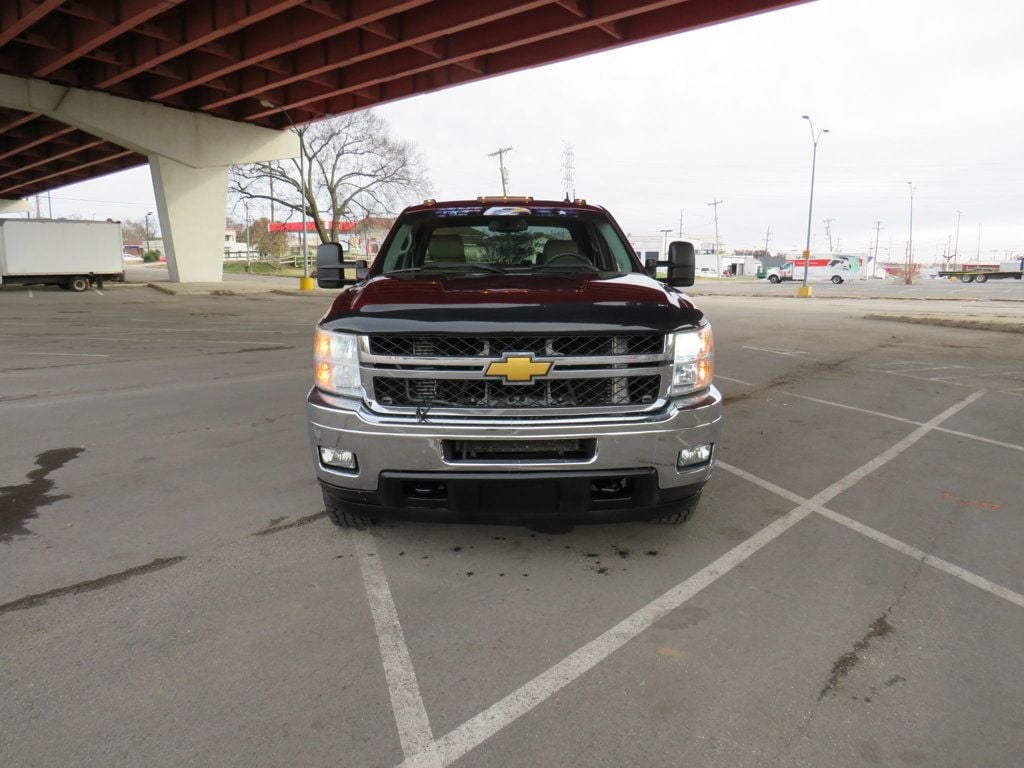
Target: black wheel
pixel 967 279
pixel 981 278
pixel 78 284
pixel 774 279
pixel 679 515
pixel 837 279
pixel 344 517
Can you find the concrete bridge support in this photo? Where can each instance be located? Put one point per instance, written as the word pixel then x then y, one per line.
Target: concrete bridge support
pixel 189 154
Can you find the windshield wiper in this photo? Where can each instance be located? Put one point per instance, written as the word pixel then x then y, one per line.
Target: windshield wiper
pixel 454 266
pixel 574 267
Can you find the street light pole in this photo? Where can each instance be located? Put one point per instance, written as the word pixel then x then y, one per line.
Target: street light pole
pixel 148 214
pixel 268 104
pixel 805 290
pixel 664 243
pixel 956 242
pixel 910 244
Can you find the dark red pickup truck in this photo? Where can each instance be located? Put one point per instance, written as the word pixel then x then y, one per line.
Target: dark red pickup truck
pixel 510 359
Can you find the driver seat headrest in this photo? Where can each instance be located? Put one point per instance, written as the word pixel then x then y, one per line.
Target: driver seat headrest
pixel 554 248
pixel 446 248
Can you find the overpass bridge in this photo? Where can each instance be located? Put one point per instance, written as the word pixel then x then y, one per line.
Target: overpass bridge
pixel 89 87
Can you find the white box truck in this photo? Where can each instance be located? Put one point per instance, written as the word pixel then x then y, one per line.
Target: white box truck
pixel 71 254
pixel 836 268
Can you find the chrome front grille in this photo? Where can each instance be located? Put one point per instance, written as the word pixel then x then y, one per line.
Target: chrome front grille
pixel 496 346
pixel 553 393
pixel 405 374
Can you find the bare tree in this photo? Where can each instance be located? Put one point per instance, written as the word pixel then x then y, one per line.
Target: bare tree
pixel 353 167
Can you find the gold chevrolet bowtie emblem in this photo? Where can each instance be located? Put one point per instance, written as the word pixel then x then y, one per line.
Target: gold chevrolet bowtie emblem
pixel 518 370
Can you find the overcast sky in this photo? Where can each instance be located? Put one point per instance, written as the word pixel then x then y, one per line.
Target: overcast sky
pixel 929 91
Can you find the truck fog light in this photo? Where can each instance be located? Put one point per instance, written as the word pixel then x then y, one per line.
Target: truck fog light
pixel 336 457
pixel 689 457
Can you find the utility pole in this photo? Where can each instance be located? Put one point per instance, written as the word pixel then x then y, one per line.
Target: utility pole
pixel 956 243
pixel 767 237
pixel 680 222
pixel 664 243
pixel 828 231
pixel 248 239
pixel 978 257
pixel 500 154
pixel 718 255
pixel 874 264
pixel 568 173
pixel 271 198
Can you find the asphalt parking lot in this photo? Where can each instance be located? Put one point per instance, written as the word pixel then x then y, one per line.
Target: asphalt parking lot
pixel 850 592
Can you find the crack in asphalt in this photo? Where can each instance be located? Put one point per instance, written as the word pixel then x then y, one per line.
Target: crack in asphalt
pixel 880 627
pixel 33 601
pixel 293 524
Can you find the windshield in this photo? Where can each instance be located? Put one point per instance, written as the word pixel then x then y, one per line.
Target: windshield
pixel 521 242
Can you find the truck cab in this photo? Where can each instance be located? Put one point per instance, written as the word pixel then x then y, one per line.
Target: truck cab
pixel 506 359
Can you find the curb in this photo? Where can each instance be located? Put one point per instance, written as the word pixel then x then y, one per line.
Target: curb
pixel 943 322
pixel 298 293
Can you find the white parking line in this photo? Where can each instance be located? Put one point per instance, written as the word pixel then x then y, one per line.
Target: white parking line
pixel 495 718
pixel 30 295
pixel 906 371
pixel 97 290
pixel 889 416
pixel 61 354
pixel 406 702
pixel 786 353
pixel 734 381
pixel 936 562
pixel 476 730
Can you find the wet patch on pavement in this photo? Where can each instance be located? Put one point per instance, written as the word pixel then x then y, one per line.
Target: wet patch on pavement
pixel 21 503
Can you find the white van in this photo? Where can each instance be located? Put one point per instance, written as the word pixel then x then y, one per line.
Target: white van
pixel 837 269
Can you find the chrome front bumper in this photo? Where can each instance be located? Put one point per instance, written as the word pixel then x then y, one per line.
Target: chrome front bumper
pixel 403 444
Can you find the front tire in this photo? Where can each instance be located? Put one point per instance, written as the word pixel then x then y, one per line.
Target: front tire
pixel 78 284
pixel 344 516
pixel 679 515
pixel 836 279
pixel 774 279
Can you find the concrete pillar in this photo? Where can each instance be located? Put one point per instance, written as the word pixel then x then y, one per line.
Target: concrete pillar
pixel 14 206
pixel 190 202
pixel 188 152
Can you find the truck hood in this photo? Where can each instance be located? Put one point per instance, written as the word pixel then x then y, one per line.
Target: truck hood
pixel 510 304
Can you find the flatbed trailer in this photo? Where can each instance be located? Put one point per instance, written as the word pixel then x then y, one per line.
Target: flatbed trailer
pixel 1008 271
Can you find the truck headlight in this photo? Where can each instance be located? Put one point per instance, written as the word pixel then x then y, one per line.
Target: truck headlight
pixel 694 360
pixel 336 363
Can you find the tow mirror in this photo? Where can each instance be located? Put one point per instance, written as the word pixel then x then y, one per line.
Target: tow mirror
pixel 331 270
pixel 682 264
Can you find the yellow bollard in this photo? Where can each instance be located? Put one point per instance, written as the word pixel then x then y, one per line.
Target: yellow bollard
pixel 803 292
pixel 307 283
